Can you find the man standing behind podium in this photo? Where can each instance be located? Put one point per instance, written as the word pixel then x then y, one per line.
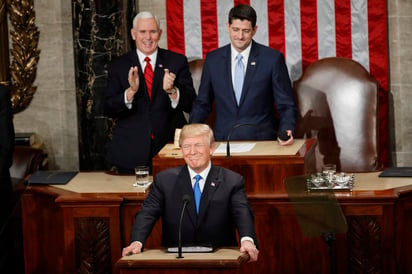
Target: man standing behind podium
pixel 147 91
pixel 223 207
pixel 246 80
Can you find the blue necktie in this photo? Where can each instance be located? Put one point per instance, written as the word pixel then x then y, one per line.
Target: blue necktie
pixel 239 75
pixel 197 192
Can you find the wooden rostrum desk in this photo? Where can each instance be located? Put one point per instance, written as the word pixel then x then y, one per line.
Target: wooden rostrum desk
pixel 82 226
pixel 159 261
pixel 264 167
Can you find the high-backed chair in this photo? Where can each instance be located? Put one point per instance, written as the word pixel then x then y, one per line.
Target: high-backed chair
pixel 196 68
pixel 27 160
pixel 338 105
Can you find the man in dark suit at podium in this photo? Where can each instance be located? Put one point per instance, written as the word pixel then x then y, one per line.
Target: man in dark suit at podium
pixel 223 206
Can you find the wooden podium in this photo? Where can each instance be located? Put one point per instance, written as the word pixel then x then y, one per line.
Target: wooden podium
pixel 159 261
pixel 264 167
pixel 82 227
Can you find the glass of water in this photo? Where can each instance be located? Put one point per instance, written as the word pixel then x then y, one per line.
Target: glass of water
pixel 329 171
pixel 142 175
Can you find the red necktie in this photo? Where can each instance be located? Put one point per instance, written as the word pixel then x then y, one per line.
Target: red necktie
pixel 148 75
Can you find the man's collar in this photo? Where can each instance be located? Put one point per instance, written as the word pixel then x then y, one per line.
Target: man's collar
pixel 203 173
pixel 245 53
pixel 142 56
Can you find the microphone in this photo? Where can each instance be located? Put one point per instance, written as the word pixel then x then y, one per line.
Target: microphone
pixel 186 200
pixel 246 125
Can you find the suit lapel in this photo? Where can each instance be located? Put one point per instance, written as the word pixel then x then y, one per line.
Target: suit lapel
pixel 226 55
pixel 158 73
pixel 211 185
pixel 185 187
pixel 250 71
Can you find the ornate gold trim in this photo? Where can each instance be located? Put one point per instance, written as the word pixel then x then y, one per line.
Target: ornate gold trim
pixel 24 52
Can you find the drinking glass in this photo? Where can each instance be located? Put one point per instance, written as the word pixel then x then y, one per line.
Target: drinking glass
pixel 142 175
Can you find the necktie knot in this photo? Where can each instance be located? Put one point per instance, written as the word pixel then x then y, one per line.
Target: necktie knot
pixel 198 178
pixel 196 191
pixel 147 59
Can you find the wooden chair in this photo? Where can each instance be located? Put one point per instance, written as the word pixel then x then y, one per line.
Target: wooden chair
pixel 338 104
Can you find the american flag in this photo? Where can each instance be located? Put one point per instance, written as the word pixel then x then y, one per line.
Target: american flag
pixel 305 31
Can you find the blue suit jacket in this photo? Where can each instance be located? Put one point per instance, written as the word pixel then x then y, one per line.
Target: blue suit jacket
pixel 267 97
pixel 131 140
pixel 224 208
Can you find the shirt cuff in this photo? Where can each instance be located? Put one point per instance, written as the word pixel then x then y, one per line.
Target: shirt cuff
pixel 175 102
pixel 127 103
pixel 247 238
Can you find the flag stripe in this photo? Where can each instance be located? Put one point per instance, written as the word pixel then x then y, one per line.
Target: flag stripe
pixel 293 41
pixel 276 24
pixel 238 2
pixel 378 48
pixel 308 14
pixel 326 28
pixel 343 29
pixel 175 35
pixel 209 27
pixel 192 28
pixel 261 8
pixel 360 48
pixel 378 51
pixel 222 13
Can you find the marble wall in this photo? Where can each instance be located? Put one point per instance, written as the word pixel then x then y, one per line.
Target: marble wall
pixel 53 113
pixel 400 65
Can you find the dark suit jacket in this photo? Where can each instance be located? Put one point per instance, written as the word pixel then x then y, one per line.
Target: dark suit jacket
pixel 131 143
pixel 223 209
pixel 266 85
pixel 6 133
pixel 6 158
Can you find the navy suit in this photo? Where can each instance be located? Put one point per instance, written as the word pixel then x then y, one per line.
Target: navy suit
pixel 267 97
pixel 131 141
pixel 223 209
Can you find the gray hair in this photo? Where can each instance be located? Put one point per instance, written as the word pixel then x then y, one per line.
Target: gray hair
pixel 145 15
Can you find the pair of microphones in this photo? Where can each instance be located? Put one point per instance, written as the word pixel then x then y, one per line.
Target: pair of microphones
pixel 282 135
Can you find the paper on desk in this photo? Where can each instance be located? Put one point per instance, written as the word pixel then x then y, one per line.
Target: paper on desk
pixel 235 148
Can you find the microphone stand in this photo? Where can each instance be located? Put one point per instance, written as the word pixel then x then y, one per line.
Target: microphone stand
pixel 242 125
pixel 186 200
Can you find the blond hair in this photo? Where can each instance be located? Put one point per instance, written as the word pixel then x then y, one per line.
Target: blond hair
pixel 194 130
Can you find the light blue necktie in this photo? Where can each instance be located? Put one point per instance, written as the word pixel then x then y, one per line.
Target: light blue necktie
pixel 239 75
pixel 197 192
